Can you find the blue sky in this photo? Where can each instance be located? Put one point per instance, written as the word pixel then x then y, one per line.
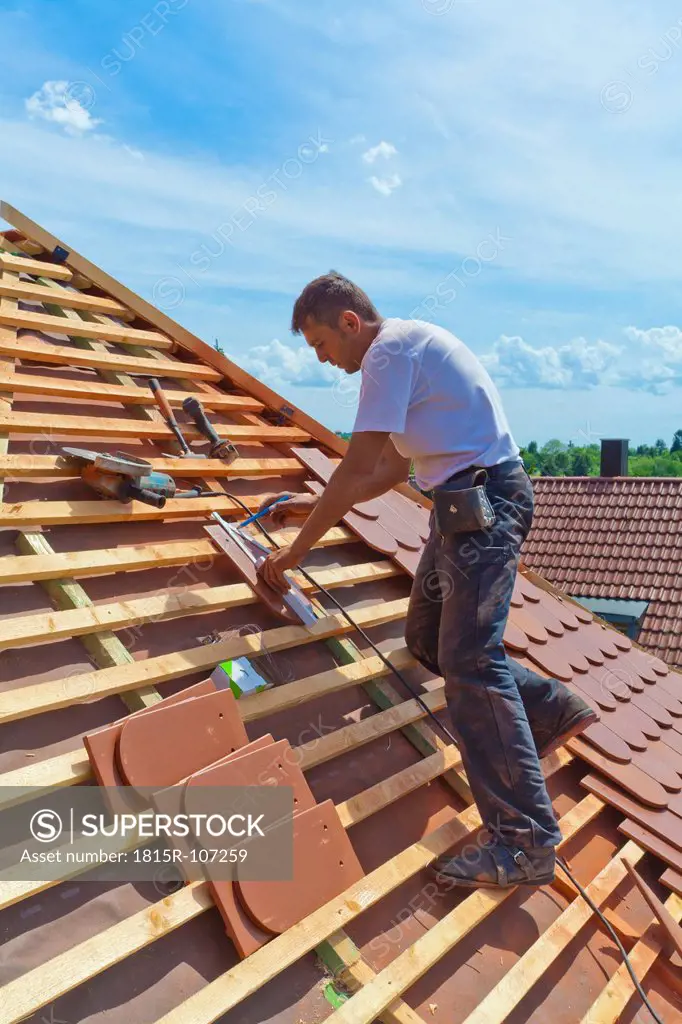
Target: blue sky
pixel 512 173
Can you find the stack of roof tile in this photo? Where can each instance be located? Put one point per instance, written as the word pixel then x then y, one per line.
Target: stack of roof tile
pixel 196 740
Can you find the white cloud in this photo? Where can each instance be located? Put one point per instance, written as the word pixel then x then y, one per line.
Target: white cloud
pixel 386 185
pixel 384 150
pixel 651 361
pixel 57 101
pixel 357 139
pixel 578 364
pixel 666 342
pixel 279 364
pixel 658 359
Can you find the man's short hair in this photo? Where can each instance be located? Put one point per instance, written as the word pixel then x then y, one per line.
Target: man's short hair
pixel 326 297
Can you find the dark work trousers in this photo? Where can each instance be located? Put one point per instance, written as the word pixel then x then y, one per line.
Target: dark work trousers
pixel 455 623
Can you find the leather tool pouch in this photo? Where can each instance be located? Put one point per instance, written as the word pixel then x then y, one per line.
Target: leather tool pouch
pixel 459 508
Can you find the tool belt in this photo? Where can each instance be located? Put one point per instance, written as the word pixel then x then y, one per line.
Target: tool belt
pixel 461 505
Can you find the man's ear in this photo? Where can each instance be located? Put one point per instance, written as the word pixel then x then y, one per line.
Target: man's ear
pixel 350 321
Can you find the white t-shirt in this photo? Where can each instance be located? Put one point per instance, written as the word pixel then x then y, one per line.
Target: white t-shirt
pixel 435 398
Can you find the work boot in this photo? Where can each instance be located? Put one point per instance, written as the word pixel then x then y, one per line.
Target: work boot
pixel 497 866
pixel 575 717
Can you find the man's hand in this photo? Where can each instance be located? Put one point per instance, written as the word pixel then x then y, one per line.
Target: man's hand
pixel 295 507
pixel 272 569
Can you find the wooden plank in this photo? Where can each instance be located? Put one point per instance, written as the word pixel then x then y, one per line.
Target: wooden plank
pixel 30 349
pixel 102 561
pixel 27 467
pixel 415 961
pixel 518 981
pixel 26 320
pixel 668 852
pixel 673 880
pixel 298 692
pixel 29 291
pixel 45 424
pixel 94 390
pixel 188 341
pixel 25 630
pixel 79 564
pixel 57 513
pixel 610 1003
pixel 52 773
pixel 25 701
pixel 22 265
pixel 342 951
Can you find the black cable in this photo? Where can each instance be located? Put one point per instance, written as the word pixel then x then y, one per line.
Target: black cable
pixel 560 861
pixel 607 924
pixel 355 626
pixel 197 492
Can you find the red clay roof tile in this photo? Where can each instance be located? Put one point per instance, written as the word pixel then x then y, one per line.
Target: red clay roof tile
pixel 614 538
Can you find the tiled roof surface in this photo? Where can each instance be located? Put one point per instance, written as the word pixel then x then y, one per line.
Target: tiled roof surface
pixel 615 538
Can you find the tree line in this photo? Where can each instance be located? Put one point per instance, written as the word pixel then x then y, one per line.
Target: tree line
pixel 556 458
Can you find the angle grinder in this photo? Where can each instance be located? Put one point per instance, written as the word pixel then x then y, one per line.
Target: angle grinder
pixel 126 478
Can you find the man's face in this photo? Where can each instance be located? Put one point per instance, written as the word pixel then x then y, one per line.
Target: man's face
pixel 333 344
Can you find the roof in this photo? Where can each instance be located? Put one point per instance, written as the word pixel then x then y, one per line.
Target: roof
pixel 615 537
pixel 109 608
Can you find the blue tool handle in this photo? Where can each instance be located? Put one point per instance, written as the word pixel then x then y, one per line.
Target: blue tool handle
pixel 263 512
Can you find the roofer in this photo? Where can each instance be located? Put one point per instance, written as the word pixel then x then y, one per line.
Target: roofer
pixel 426 398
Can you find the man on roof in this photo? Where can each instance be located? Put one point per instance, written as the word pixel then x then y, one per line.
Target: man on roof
pixel 425 398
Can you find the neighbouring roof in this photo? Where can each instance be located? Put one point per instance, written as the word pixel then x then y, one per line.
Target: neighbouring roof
pixel 617 537
pixel 106 607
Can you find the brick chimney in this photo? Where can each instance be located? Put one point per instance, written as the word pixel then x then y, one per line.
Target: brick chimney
pixel 614 457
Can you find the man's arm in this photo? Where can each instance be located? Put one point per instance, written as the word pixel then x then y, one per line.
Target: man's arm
pixel 393 468
pixel 370 467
